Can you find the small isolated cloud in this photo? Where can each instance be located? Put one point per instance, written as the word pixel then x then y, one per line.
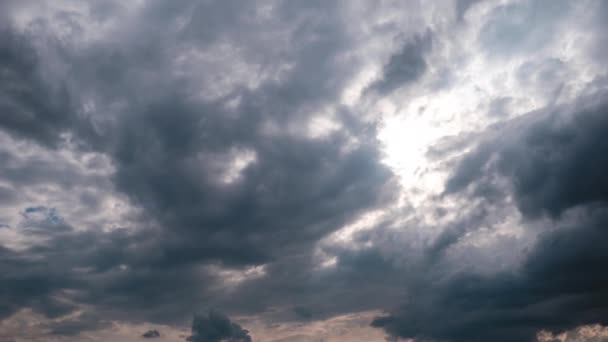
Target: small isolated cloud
pixel 151 334
pixel 215 326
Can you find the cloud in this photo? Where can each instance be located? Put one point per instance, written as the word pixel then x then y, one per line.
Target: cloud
pixel 303 312
pixel 406 65
pixel 151 334
pixel 557 288
pixel 552 162
pixel 28 283
pixel 169 151
pixel 158 157
pixel 31 107
pixel 75 326
pixel 214 326
pixel 508 28
pixel 462 6
pixel 551 158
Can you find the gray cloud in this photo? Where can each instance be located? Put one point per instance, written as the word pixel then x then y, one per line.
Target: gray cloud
pixel 556 166
pixel 27 283
pixel 559 287
pixel 462 6
pixel 151 334
pixel 406 65
pixel 73 327
pixel 214 326
pixel 30 106
pixel 552 161
pixel 170 151
pixel 162 158
pixel 516 28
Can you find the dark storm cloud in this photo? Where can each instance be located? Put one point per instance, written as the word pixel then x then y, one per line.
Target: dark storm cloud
pixel 30 107
pixel 555 163
pixel 38 276
pixel 170 151
pixel 30 277
pixel 452 233
pixel 288 174
pixel 297 288
pixel 203 110
pixel 303 312
pixel 171 148
pixel 214 326
pixel 405 66
pixel 297 190
pixel 27 282
pixel 108 271
pixel 151 334
pixel 560 286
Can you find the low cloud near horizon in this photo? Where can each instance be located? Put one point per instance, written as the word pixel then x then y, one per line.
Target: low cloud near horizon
pixel 301 171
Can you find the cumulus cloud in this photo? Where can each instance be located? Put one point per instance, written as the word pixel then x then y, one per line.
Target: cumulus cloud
pixel 151 334
pixel 214 326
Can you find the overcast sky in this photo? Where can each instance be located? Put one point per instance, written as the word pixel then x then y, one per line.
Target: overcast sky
pixel 294 171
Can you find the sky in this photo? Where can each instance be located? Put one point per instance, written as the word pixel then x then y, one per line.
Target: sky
pixel 299 171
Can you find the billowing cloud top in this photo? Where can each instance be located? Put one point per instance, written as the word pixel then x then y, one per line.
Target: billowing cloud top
pixel 333 170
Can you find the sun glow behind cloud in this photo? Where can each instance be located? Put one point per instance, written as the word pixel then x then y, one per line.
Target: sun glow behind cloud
pixel 406 141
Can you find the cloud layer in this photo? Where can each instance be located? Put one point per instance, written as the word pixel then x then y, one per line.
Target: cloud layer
pixel 291 163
